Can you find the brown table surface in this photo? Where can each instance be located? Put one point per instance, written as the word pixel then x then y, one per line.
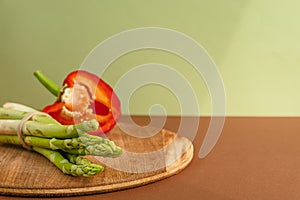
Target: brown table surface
pixel 255 158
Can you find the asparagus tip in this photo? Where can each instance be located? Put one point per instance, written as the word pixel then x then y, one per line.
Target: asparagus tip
pixel 88 126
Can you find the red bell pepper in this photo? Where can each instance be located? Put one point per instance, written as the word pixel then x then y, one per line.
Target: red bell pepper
pixel 84 96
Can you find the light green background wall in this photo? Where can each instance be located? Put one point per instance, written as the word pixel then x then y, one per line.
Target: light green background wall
pixel 255 44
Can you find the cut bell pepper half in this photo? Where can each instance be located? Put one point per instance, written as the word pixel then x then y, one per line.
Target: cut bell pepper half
pixel 84 96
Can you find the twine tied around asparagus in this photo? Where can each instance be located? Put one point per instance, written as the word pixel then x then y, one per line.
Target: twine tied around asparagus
pixel 20 127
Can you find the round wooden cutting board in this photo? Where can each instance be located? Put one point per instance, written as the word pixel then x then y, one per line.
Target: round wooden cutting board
pixel 144 160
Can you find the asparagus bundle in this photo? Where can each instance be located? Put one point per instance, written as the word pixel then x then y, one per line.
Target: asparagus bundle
pixel 63 145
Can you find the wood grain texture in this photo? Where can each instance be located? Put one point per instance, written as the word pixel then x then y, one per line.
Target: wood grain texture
pixel 145 160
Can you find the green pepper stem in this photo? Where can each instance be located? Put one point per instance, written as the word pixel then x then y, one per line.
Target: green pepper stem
pixel 49 84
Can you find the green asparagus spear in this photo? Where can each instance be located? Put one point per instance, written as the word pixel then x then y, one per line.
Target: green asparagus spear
pixel 96 145
pixel 47 130
pixel 47 143
pixel 68 168
pixel 76 159
pixel 82 145
pixel 58 131
pixel 41 125
pixel 18 106
pixel 7 113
